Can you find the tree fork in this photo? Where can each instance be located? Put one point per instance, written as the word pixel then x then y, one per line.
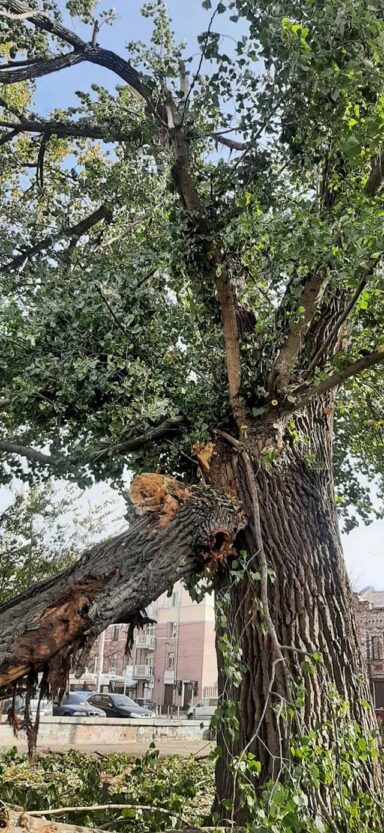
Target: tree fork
pixel 179 531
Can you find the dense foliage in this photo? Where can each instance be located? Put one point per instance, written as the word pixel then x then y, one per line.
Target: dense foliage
pixel 106 334
pixel 183 788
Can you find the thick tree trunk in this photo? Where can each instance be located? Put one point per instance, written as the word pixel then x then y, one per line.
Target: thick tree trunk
pixel 310 602
pixel 42 629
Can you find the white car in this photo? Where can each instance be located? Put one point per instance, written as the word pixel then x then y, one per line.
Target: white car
pixel 204 709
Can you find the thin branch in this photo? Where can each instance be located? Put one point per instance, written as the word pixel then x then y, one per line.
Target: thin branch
pixel 40 161
pixel 197 73
pixel 333 333
pixel 28 452
pixel 169 426
pixel 230 143
pixel 75 231
pixel 110 310
pixel 9 136
pixel 96 807
pixel 376 357
pixel 11 109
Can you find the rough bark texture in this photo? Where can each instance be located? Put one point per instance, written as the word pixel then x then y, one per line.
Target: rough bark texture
pixel 180 532
pixel 310 601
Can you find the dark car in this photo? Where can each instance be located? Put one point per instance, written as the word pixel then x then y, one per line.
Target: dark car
pixel 149 705
pixel 76 704
pixel 118 705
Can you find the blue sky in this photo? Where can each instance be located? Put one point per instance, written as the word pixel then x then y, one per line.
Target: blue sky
pixel 189 20
pixel 364 546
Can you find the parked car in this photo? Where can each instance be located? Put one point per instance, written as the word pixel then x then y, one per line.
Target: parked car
pixel 76 704
pixel 46 707
pixel 118 705
pixel 149 705
pixel 204 709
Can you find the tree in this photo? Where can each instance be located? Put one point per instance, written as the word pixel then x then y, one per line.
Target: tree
pixel 42 531
pixel 213 283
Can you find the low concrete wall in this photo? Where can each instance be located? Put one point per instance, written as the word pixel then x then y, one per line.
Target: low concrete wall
pixel 80 731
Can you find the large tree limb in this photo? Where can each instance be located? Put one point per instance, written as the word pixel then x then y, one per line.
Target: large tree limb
pixel 74 232
pixel 169 426
pixel 181 529
pixel 287 357
pixel 42 21
pixel 64 129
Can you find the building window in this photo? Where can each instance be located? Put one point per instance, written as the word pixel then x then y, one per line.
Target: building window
pixel 376 647
pixel 116 632
pixel 173 630
pixel 175 599
pixel 171 662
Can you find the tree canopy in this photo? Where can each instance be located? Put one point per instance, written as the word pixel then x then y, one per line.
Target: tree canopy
pixel 124 216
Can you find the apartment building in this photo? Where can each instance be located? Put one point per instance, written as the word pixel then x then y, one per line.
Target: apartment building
pixel 184 663
pixel 172 662
pixel 370 618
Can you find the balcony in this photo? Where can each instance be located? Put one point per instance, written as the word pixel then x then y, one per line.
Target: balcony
pixel 145 640
pixel 143 672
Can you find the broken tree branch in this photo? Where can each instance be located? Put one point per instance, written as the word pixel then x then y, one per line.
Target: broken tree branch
pixel 179 530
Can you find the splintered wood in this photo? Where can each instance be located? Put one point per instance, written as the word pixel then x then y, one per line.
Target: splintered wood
pixel 159 494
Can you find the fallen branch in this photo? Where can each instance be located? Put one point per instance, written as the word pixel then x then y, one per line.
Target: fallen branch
pixel 178 532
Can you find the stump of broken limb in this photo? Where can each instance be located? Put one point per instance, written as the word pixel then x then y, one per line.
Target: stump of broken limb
pixel 50 628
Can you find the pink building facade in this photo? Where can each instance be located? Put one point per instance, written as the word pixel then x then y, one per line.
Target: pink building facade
pixel 172 663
